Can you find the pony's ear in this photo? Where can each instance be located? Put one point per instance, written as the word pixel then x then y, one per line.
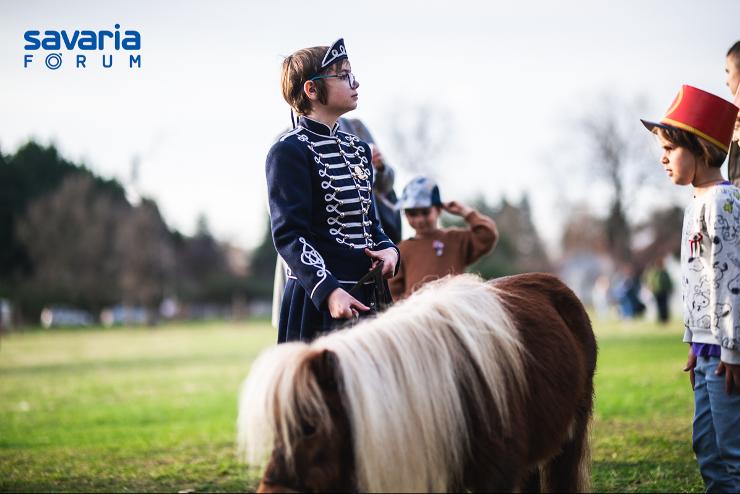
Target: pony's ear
pixel 325 366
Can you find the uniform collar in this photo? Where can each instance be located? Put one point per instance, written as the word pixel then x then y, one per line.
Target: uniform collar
pixel 317 127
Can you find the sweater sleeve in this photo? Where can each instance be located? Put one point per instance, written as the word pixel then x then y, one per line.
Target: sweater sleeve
pixel 723 227
pixel 481 238
pixel 290 199
pixel 397 284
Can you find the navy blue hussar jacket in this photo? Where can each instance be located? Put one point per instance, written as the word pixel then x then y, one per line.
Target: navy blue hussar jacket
pixel 319 183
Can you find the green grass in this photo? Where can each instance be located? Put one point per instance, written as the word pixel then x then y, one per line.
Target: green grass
pixel 641 436
pixel 154 410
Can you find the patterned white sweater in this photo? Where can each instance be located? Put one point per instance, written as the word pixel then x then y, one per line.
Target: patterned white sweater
pixel 710 270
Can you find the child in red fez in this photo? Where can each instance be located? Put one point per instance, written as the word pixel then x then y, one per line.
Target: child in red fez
pixel 695 135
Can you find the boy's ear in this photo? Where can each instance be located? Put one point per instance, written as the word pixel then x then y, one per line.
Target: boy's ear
pixel 309 87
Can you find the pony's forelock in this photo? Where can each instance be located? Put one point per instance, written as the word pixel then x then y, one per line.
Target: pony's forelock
pixel 279 393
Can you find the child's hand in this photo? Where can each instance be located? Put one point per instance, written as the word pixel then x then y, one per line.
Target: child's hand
pixel 389 257
pixel 378 163
pixel 342 305
pixel 690 364
pixel 456 208
pixel 732 376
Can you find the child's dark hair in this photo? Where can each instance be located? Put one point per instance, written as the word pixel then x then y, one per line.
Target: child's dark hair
pixel 702 149
pixel 734 52
pixel 300 67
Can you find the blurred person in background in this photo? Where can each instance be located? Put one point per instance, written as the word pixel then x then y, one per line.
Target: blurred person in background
pixel 660 285
pixel 434 252
pixel 627 293
pixel 732 69
pixel 601 296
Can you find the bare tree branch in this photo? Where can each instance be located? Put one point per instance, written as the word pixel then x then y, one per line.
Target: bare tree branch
pixel 420 134
pixel 617 156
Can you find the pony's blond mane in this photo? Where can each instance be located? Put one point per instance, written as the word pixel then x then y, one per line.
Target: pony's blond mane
pixel 401 375
pixel 279 391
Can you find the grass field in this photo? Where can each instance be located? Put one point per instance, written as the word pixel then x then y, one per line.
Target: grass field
pixel 154 410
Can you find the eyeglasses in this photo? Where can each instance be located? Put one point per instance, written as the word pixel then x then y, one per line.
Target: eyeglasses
pixel 417 212
pixel 344 76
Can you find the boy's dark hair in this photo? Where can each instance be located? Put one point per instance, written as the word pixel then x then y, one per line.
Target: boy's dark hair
pixel 734 52
pixel 702 149
pixel 300 67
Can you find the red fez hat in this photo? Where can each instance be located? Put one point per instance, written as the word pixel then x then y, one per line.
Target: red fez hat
pixel 702 114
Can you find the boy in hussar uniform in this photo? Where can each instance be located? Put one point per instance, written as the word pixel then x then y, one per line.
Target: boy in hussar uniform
pixel 434 252
pixel 322 213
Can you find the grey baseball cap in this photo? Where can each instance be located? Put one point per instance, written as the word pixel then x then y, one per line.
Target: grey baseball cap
pixel 421 192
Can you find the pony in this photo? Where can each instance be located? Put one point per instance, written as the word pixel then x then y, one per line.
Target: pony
pixel 465 385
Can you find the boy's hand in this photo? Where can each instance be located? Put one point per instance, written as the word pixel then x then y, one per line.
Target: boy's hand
pixel 690 364
pixel 732 376
pixel 456 208
pixel 342 305
pixel 389 257
pixel 378 163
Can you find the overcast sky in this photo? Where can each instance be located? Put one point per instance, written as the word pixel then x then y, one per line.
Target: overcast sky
pixel 205 106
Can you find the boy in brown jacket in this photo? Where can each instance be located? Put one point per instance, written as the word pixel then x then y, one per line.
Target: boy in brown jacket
pixel 434 252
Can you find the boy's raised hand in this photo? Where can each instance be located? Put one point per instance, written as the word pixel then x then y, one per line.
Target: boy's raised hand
pixel 732 376
pixel 457 208
pixel 377 158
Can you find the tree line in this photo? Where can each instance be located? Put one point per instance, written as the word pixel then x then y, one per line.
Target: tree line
pixel 70 237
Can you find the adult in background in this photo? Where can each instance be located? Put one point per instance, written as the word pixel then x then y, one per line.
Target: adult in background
pixel 385 177
pixel 732 69
pixel 659 282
